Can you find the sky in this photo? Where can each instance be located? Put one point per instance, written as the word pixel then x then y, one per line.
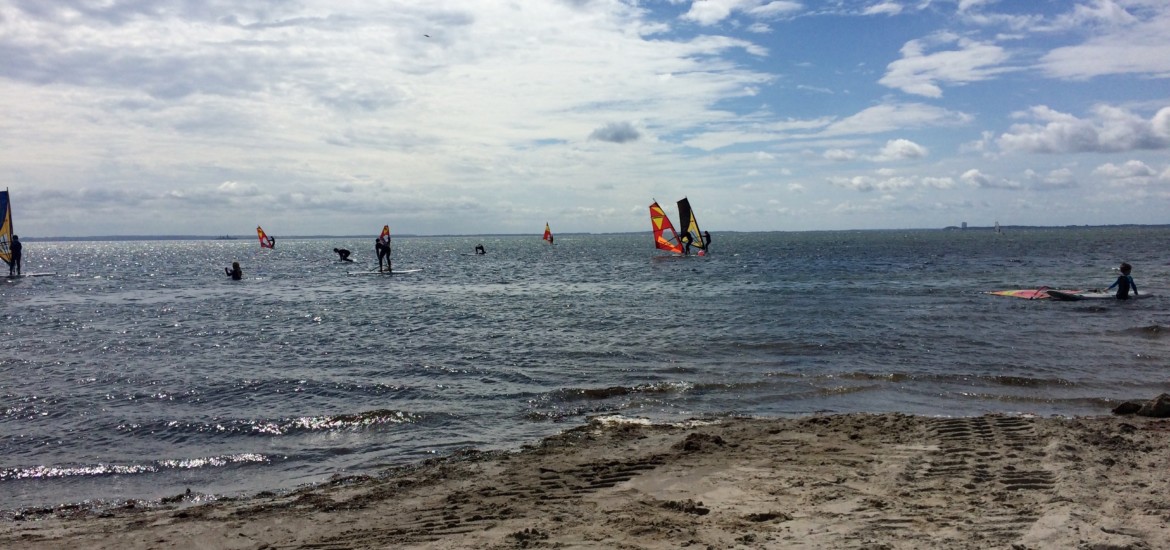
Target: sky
pixel 209 117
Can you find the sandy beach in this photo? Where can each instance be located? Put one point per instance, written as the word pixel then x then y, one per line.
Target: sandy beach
pixel 885 481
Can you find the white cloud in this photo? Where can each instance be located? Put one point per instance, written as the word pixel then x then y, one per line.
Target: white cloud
pixel 710 12
pixel 884 8
pixel 1122 43
pixel 887 183
pixel 922 73
pixel 975 178
pixel 1109 129
pixel 900 149
pixel 1061 178
pixel 896 116
pixel 1131 173
pixel 840 155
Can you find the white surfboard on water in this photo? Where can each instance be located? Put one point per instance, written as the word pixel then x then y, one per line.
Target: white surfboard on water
pixel 395 272
pixel 1089 295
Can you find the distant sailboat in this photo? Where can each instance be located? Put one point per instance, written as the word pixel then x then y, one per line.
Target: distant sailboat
pixel 998 229
pixel 548 236
pixel 265 240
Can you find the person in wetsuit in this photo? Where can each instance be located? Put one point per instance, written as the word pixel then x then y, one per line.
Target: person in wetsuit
pixel 15 247
pixel 1124 282
pixel 479 249
pixel 686 242
pixel 706 239
pixel 382 249
pixel 234 271
pixel 342 254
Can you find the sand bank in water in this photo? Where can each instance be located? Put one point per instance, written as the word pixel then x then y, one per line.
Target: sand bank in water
pixel 848 481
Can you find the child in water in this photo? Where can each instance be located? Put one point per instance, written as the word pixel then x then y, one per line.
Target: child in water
pixel 1124 282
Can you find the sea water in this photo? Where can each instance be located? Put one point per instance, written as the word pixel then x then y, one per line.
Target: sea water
pixel 140 370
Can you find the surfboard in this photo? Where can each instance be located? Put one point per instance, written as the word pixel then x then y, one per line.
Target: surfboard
pixel 45 274
pixel 395 272
pixel 1068 296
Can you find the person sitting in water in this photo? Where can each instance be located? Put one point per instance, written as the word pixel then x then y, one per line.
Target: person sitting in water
pixel 234 271
pixel 1124 282
pixel 479 249
pixel 343 254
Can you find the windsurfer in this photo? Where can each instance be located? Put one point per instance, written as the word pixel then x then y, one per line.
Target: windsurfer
pixel 1123 283
pixel 271 242
pixel 706 239
pixel 479 249
pixel 382 249
pixel 15 247
pixel 550 238
pixel 234 271
pixel 686 242
pixel 343 254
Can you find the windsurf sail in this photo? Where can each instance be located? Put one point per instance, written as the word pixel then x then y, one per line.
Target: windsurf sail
pixel 385 236
pixel 5 228
pixel 664 236
pixel 265 240
pixel 690 226
pixel 547 233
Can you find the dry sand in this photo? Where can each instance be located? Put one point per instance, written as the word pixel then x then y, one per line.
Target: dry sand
pixel 884 481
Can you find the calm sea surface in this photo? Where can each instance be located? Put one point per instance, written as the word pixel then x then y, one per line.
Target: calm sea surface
pixel 140 370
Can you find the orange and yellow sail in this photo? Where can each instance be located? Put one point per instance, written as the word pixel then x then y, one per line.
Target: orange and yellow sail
pixel 547 233
pixel 385 236
pixel 665 237
pixel 265 240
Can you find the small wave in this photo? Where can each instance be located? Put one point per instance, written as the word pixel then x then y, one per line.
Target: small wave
pixel 966 379
pixel 285 426
pixel 98 470
pixel 1152 332
pixel 574 394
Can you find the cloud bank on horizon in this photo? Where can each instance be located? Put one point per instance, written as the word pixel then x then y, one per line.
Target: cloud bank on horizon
pixel 438 117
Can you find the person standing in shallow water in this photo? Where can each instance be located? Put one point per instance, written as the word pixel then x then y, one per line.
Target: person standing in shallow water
pixel 234 271
pixel 16 248
pixel 1124 283
pixel 383 251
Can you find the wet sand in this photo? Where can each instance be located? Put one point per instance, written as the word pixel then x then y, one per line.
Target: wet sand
pixel 884 481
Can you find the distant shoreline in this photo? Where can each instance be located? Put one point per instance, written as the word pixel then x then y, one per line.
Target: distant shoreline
pixel 249 237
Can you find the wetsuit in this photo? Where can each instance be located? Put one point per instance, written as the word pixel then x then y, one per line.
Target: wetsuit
pixel 15 247
pixel 1123 283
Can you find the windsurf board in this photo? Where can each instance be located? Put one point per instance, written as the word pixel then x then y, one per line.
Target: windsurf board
pixel 395 272
pixel 1029 293
pixel 1066 295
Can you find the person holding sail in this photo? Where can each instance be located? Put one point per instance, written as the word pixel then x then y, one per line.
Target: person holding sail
pixel 14 265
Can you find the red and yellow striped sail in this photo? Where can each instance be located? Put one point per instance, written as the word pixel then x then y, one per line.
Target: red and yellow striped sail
pixel 547 233
pixel 661 225
pixel 385 236
pixel 265 242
